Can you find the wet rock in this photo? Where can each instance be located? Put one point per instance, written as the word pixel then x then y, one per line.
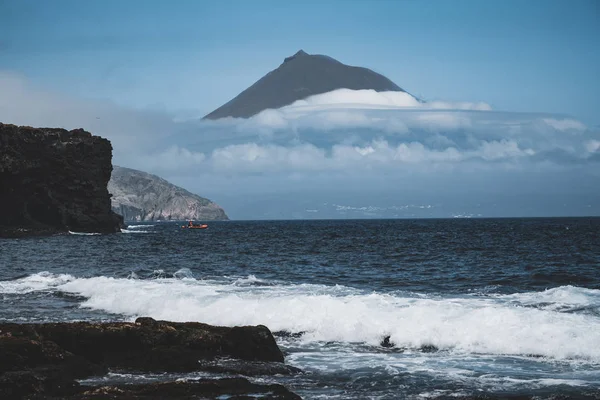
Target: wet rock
pixel 252 343
pixel 28 367
pixel 150 345
pixel 53 181
pixel 36 383
pixel 386 342
pixel 19 384
pixel 29 386
pixel 287 334
pixel 44 360
pixel 228 388
pixel 429 348
pixel 248 368
pixel 21 348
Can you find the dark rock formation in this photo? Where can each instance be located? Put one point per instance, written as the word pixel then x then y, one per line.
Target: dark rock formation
pixel 44 360
pixel 386 342
pixel 248 368
pixel 300 76
pixel 151 345
pixel 139 196
pixel 54 180
pixel 228 388
pixel 429 348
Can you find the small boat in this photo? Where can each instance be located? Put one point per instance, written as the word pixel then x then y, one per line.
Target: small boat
pixel 202 226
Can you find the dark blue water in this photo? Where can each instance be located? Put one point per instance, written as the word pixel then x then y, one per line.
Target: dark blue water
pixel 472 307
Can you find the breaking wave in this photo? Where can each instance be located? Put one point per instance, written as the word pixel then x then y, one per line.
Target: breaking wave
pixel 532 323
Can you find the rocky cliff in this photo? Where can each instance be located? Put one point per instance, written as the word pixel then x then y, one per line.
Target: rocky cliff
pixel 54 180
pixel 139 196
pixel 300 76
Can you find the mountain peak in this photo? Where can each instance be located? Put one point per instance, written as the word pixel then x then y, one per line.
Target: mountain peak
pixel 300 76
pixel 299 53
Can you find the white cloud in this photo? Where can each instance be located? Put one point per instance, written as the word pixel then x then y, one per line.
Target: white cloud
pixel 341 130
pixel 592 146
pixel 174 158
pixel 348 98
pixel 442 105
pixel 342 141
pixel 271 118
pixel 251 157
pixel 392 112
pixel 378 154
pixel 503 149
pixel 371 99
pixel 437 121
pixel 565 125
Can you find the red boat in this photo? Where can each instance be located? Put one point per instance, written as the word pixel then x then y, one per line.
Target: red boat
pixel 203 226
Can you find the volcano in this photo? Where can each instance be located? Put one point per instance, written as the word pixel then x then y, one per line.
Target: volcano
pixel 300 76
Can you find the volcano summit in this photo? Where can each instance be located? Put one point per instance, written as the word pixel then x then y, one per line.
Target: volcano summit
pixel 300 76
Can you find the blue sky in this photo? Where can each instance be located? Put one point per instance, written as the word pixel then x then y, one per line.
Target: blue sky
pixel 531 56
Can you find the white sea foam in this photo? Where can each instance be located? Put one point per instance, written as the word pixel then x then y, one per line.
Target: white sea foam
pixel 184 273
pixel 134 231
pixel 249 280
pixel 33 283
pixel 460 324
pixel 483 372
pixel 84 233
pixel 138 226
pixel 563 298
pixel 506 384
pixel 133 275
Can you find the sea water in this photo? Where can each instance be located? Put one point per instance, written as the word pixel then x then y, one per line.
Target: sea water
pixel 378 309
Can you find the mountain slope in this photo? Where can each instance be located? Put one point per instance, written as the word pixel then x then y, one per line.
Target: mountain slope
pixel 139 196
pixel 300 76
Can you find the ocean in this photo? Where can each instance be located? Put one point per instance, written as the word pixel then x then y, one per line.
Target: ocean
pixel 368 309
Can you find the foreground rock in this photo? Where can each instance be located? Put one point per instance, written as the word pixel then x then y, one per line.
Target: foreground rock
pixel 226 388
pixel 45 360
pixel 139 196
pixel 54 180
pixel 229 388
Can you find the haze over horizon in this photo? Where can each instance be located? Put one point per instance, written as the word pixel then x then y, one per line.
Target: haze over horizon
pixel 510 127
